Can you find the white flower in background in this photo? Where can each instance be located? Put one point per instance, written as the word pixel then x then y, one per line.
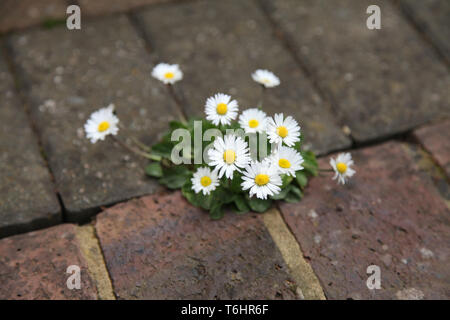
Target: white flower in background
pixel 220 109
pixel 204 180
pixel 101 123
pixel 253 120
pixel 167 73
pixel 341 166
pixel 287 160
pixel 280 129
pixel 262 180
pixel 228 154
pixel 266 78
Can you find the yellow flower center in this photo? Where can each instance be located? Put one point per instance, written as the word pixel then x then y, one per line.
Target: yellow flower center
pixel 253 123
pixel 103 126
pixel 341 167
pixel 222 108
pixel 229 156
pixel 282 131
pixel 284 163
pixel 169 75
pixel 262 179
pixel 205 181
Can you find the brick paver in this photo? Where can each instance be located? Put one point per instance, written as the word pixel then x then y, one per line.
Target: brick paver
pixel 432 18
pixel 390 215
pixel 382 81
pixel 219 44
pixel 160 247
pixel 68 75
pixel 436 140
pixel 107 6
pixel 34 265
pixel 27 196
pixel 16 14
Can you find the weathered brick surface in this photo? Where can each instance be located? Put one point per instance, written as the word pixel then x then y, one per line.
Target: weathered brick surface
pixel 16 14
pixel 219 44
pixel 70 74
pixel 432 17
pixel 436 140
pixel 383 81
pixel 107 6
pixel 390 214
pixel 160 247
pixel 33 265
pixel 27 197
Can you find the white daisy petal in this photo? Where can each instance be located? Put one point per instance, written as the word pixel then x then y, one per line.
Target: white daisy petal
pixel 287 160
pixel 204 180
pixel 167 73
pixel 253 120
pixel 220 109
pixel 266 78
pixel 228 154
pixel 261 179
pixel 283 130
pixel 341 166
pixel 101 123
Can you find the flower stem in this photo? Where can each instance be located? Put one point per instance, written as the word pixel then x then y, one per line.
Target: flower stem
pixel 146 155
pixel 178 102
pixel 325 170
pixel 261 97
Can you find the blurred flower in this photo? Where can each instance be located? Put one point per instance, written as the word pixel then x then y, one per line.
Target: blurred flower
pixel 101 123
pixel 220 110
pixel 341 166
pixel 266 78
pixel 167 73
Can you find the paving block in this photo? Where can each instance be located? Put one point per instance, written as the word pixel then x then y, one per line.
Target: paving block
pixel 107 6
pixel 160 247
pixel 16 14
pixel 27 197
pixel 33 266
pixel 390 214
pixel 436 140
pixel 432 18
pixel 382 82
pixel 219 44
pixel 70 74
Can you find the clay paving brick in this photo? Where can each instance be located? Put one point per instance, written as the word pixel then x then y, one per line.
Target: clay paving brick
pixel 219 44
pixel 16 14
pixel 436 140
pixel 107 6
pixel 160 247
pixel 432 18
pixel 390 214
pixel 27 197
pixel 70 74
pixel 382 81
pixel 34 265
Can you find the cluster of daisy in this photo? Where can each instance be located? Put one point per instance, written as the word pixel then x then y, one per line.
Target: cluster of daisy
pixel 229 159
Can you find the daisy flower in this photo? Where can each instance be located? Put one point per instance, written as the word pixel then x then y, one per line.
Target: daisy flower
pixel 221 109
pixel 253 120
pixel 266 78
pixel 281 130
pixel 167 73
pixel 228 154
pixel 341 166
pixel 262 180
pixel 101 123
pixel 204 180
pixel 287 160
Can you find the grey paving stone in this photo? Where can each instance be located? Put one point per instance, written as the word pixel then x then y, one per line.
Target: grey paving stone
pixel 383 81
pixel 70 74
pixel 219 44
pixel 433 18
pixel 27 197
pixel 107 6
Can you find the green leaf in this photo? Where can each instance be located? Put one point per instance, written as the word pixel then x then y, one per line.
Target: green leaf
pixel 287 179
pixel 216 211
pixel 301 178
pixel 175 177
pixel 259 205
pixel 240 204
pixel 294 195
pixel 154 169
pixel 163 149
pixel 310 163
pixel 235 184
